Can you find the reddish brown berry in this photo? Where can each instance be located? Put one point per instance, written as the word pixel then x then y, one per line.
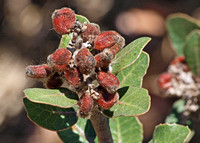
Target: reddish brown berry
pixel 54 81
pixel 177 60
pixel 108 39
pixel 63 20
pixel 108 81
pixel 118 46
pixel 115 49
pixel 85 106
pixel 104 58
pixel 73 77
pixel 85 61
pixel 39 71
pixel 60 59
pixel 107 100
pixel 164 81
pixel 91 32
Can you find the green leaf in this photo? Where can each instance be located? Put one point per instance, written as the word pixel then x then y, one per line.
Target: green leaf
pixel 133 101
pixel 50 117
pixel 126 130
pixel 82 19
pixel 133 75
pixel 61 97
pixel 151 141
pixel 129 54
pixel 82 132
pixel 177 109
pixel 192 52
pixel 64 42
pixel 170 133
pixel 179 26
pixel 176 116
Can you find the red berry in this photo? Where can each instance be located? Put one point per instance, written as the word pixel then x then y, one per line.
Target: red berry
pixel 104 58
pixel 60 59
pixel 91 32
pixel 108 81
pixel 39 71
pixel 54 81
pixel 85 105
pixel 107 100
pixel 63 20
pixel 73 77
pixel 85 61
pixel 164 81
pixel 115 49
pixel 118 46
pixel 108 39
pixel 177 60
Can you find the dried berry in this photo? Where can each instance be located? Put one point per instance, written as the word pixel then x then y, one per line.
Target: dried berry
pixel 164 81
pixel 107 100
pixel 107 40
pixel 63 20
pixel 85 61
pixel 59 60
pixel 73 77
pixel 54 81
pixel 85 105
pixel 104 58
pixel 39 71
pixel 91 32
pixel 108 81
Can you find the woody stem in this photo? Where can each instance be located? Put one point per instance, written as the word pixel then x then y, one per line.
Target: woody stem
pixel 101 126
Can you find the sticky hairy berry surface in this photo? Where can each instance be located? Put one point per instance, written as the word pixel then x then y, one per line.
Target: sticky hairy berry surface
pixel 115 49
pixel 85 105
pixel 60 59
pixel 108 81
pixel 73 77
pixel 85 61
pixel 63 20
pixel 91 32
pixel 81 62
pixel 104 58
pixel 38 71
pixel 106 40
pixel 107 100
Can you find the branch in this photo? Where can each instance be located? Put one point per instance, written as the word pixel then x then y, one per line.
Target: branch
pixel 101 126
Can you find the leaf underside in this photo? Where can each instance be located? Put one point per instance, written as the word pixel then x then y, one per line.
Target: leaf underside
pixel 61 97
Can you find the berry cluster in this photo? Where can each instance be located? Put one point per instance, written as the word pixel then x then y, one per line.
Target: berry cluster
pixel 82 66
pixel 179 81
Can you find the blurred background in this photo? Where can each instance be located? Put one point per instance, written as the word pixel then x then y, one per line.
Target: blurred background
pixel 27 37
